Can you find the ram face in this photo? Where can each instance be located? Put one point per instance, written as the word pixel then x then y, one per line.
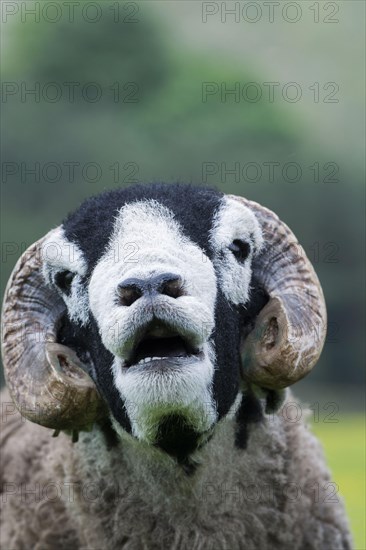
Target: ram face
pixel 165 308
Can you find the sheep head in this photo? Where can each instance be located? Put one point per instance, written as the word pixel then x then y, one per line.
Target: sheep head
pixel 158 305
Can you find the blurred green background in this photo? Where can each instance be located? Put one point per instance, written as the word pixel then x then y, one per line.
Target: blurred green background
pixel 103 94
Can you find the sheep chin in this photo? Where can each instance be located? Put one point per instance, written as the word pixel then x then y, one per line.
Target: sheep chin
pixel 149 394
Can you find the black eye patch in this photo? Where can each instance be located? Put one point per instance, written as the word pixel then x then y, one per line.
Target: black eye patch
pixel 63 280
pixel 240 249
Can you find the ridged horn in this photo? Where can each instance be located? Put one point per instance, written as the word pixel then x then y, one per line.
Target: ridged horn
pixel 46 380
pixel 290 330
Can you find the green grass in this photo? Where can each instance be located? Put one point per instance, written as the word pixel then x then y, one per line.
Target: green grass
pixel 344 446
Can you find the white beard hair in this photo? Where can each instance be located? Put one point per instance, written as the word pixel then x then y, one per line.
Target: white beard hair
pixel 186 390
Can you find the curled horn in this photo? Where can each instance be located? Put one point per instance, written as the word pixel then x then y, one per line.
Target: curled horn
pixel 46 380
pixel 289 332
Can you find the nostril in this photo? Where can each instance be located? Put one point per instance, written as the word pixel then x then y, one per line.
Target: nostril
pixel 128 294
pixel 172 288
pixel 133 288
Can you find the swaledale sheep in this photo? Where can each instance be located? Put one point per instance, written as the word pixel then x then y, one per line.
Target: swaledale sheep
pixel 159 326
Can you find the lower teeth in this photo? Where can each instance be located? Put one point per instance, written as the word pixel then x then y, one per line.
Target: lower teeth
pixel 149 359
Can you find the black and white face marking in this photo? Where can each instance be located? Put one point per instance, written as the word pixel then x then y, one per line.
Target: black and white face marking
pixel 160 342
pixel 161 270
pixel 64 267
pixel 236 237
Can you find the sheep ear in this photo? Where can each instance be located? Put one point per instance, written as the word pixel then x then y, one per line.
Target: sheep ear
pixel 47 381
pixel 289 332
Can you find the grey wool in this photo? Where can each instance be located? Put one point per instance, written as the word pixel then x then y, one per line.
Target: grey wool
pixel 276 494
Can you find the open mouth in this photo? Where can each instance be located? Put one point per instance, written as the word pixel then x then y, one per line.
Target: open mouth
pixel 160 344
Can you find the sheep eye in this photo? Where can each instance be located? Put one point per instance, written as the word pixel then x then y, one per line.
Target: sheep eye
pixel 240 249
pixel 63 280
